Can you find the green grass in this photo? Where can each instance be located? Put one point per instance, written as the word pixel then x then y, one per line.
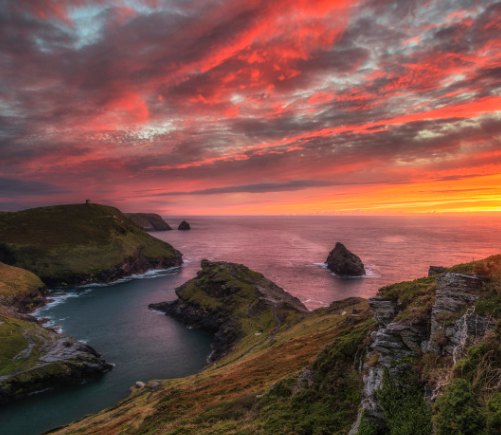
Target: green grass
pixel 68 243
pixel 17 284
pixel 417 297
pixel 255 389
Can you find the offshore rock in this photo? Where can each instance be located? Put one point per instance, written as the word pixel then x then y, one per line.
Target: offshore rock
pixel 436 270
pixel 184 226
pixel 230 301
pixel 344 262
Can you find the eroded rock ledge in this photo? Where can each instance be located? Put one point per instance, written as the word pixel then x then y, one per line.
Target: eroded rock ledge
pixel 231 301
pixel 446 330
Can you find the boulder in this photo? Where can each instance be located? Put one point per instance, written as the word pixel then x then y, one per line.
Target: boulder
pixel 344 262
pixel 184 226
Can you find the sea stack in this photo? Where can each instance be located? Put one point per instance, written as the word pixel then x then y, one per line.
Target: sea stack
pixel 344 262
pixel 184 226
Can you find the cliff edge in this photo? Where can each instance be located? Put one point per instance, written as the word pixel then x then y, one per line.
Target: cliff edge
pixel 80 243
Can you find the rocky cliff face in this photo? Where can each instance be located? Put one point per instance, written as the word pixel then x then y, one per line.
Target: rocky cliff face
pixel 33 358
pixel 231 301
pixel 422 324
pixel 42 359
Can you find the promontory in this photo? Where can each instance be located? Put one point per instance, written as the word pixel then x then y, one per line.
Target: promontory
pixel 80 243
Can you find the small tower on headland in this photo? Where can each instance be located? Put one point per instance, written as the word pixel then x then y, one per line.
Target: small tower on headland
pixel 87 201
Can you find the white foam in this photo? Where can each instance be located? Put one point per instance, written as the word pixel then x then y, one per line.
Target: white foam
pixel 56 299
pixel 315 301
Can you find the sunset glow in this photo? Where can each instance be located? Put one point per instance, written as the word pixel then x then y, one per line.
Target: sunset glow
pixel 252 107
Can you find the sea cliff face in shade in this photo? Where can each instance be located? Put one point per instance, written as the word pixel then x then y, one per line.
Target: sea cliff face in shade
pixel 80 243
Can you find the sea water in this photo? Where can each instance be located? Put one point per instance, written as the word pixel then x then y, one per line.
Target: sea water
pixel 291 251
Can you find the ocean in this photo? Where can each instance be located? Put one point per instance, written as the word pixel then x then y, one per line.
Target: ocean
pixel 289 250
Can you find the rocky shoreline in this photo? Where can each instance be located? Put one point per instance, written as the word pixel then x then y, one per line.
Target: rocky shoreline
pixel 214 300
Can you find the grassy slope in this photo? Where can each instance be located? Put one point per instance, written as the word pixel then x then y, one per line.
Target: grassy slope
pixel 257 392
pixel 22 342
pixel 66 242
pixel 17 284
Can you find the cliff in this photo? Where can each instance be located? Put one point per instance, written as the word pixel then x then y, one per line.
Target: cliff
pixel 287 371
pixel 33 358
pixel 425 358
pixel 149 221
pixel 80 243
pixel 434 364
pixel 234 303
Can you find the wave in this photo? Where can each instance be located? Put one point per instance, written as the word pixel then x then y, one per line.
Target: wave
pixel 56 299
pixel 371 272
pixel 315 301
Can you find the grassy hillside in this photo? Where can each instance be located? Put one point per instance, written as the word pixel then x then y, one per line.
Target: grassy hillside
pixel 19 286
pixel 33 358
pixel 290 371
pixel 80 243
pixel 306 377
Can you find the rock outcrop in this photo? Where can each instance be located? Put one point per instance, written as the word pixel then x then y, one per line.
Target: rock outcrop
pixel 436 270
pixel 184 226
pixel 41 359
pixel 227 299
pixel 149 221
pixel 446 330
pixel 344 262
pixel 33 358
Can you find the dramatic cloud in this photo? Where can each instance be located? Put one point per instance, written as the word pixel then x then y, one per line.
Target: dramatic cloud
pixel 233 107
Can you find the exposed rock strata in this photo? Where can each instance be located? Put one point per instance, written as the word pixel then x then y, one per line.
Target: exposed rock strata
pixel 227 299
pixel 49 360
pixel 436 270
pixel 344 262
pixel 450 329
pixel 149 221
pixel 453 325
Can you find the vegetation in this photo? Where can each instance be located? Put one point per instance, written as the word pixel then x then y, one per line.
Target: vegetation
pixel 19 285
pixel 300 380
pixel 80 242
pixel 405 410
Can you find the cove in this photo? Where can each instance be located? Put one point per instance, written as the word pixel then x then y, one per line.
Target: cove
pixel 116 321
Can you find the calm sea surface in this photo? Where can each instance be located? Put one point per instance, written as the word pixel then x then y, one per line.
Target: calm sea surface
pixel 144 345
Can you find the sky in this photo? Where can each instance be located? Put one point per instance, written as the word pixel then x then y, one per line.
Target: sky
pixel 229 107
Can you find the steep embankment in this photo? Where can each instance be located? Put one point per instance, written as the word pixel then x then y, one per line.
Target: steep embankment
pixel 33 358
pixel 288 370
pixel 434 365
pixel 429 362
pixel 149 221
pixel 80 243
